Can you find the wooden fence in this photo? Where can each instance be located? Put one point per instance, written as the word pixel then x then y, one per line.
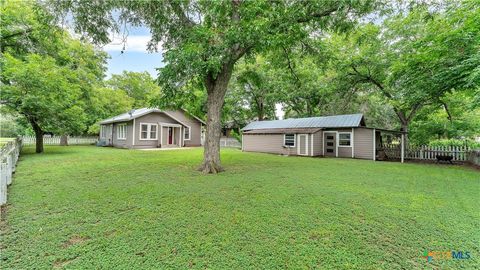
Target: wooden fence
pixel 55 140
pixel 9 154
pixel 230 142
pixel 425 152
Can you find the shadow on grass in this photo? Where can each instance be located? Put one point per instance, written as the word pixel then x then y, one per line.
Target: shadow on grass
pixel 51 150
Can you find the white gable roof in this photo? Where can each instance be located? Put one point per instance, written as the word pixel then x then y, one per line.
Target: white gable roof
pixel 132 114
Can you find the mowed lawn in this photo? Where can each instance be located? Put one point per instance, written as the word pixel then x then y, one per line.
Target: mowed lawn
pixel 103 208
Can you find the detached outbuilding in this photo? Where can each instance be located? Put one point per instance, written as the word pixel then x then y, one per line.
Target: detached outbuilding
pixel 335 136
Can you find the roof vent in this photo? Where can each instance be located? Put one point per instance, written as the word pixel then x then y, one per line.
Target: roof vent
pixel 131 112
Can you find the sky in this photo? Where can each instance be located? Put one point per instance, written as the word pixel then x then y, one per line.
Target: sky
pixel 135 57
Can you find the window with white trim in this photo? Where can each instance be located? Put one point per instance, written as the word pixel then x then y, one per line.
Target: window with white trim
pixel 122 131
pixel 289 140
pixel 148 131
pixel 186 134
pixel 345 139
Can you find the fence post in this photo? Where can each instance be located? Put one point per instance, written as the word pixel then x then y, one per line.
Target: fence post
pixel 9 169
pixel 3 183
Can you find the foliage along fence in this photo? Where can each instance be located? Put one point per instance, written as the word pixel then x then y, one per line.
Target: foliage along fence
pixel 426 152
pixel 9 154
pixel 474 157
pixel 55 140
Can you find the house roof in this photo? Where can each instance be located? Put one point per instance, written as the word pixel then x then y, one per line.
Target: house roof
pixel 132 114
pixel 282 130
pixel 334 121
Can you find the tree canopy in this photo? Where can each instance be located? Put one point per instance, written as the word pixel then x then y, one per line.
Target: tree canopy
pixel 203 40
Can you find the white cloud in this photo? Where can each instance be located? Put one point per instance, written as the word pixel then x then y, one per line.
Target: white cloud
pixel 132 44
pixel 279 111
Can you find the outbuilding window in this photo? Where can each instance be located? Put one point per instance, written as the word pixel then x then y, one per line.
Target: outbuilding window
pixel 148 131
pixel 345 139
pixel 289 140
pixel 122 131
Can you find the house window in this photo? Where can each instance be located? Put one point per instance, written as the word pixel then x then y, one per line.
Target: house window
pixel 122 132
pixel 329 143
pixel 344 139
pixel 289 140
pixel 329 150
pixel 186 134
pixel 153 132
pixel 148 131
pixel 329 137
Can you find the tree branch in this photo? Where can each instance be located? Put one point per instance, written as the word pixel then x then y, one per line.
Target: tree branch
pixel 19 33
pixel 177 9
pixel 317 15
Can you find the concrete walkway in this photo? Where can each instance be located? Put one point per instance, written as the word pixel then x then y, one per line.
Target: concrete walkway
pixel 168 148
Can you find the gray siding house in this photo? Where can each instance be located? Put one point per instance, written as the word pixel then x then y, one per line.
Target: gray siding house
pixel 334 136
pixel 151 128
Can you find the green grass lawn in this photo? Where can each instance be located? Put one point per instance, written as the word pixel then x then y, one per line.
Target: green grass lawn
pixel 100 208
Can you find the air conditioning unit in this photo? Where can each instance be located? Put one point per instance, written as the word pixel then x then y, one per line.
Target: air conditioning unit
pixel 102 142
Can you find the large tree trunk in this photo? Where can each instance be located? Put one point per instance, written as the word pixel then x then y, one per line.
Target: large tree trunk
pixel 64 140
pixel 404 128
pixel 38 136
pixel 216 89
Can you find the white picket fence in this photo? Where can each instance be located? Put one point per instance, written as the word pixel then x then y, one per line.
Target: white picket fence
pixel 425 152
pixel 230 142
pixel 55 140
pixel 9 154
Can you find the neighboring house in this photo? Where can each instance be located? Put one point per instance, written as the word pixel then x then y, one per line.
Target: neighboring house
pixel 152 128
pixel 228 128
pixel 336 136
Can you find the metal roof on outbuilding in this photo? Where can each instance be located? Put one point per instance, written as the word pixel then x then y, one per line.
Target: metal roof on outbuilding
pixel 334 121
pixel 282 130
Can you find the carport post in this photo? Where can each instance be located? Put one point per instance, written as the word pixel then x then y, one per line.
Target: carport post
pixel 402 148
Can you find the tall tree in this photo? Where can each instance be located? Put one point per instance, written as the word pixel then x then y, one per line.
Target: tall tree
pixel 47 76
pixel 253 90
pixel 414 58
pixel 138 85
pixel 41 91
pixel 203 40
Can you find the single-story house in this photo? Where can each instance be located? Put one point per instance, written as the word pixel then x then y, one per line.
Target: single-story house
pixel 151 128
pixel 334 136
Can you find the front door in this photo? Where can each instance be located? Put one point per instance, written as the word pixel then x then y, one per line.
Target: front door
pixel 170 135
pixel 302 144
pixel 330 144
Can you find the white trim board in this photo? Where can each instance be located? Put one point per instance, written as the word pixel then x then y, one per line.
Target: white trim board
pixel 352 142
pixel 311 145
pixel 299 146
pixel 133 133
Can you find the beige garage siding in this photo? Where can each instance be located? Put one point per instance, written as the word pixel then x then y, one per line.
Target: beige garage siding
pixel 317 143
pixel 363 140
pixel 344 151
pixel 267 143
